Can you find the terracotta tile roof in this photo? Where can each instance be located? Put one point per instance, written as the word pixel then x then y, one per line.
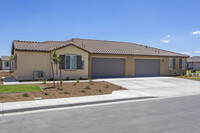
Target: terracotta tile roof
pixel 95 47
pixel 194 59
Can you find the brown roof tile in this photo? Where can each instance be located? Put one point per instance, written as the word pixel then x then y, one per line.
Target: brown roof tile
pixel 95 47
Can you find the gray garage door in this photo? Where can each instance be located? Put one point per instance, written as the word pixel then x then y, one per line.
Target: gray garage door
pixel 147 67
pixel 107 67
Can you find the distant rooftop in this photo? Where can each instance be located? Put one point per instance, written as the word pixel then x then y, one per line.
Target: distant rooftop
pixel 94 47
pixel 5 57
pixel 194 59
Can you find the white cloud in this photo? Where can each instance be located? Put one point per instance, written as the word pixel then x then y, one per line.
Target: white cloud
pixel 197 32
pixel 165 41
pixel 197 52
pixel 187 53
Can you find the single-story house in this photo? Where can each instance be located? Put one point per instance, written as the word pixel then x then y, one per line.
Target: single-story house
pixel 88 58
pixel 4 63
pixel 193 63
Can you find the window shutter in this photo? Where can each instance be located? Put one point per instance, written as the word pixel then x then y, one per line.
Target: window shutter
pixel 180 63
pixel 15 62
pixel 174 63
pixel 79 62
pixel 62 63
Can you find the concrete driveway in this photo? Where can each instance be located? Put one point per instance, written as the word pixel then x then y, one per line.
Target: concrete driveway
pixel 159 86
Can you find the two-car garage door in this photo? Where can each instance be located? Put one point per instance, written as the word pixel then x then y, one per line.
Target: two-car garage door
pixel 115 67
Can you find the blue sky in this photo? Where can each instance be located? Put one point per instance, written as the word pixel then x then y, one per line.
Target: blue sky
pixel 167 24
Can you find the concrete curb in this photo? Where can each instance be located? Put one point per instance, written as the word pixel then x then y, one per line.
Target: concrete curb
pixel 71 105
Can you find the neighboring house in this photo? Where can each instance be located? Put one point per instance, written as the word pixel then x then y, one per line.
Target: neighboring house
pixel 4 63
pixel 94 58
pixel 193 63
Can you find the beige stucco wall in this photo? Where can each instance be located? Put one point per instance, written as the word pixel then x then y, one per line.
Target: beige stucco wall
pixel 130 64
pixel 75 74
pixel 27 62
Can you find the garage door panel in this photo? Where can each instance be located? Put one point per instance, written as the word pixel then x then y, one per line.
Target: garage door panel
pixel 147 67
pixel 107 67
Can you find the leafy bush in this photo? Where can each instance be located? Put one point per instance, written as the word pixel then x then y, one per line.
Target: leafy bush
pixel 83 91
pixel 46 93
pixel 66 92
pixel 106 86
pixel 74 84
pixel 186 75
pixel 87 87
pixel 197 75
pixel 44 81
pixel 25 95
pixel 181 75
pixel 77 81
pixel 59 88
pixel 67 78
pixel 190 75
pixel 100 90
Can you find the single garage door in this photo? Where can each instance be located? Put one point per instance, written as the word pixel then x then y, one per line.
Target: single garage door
pixel 107 67
pixel 147 67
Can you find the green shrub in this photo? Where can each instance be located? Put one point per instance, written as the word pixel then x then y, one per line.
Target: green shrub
pixel 59 88
pixel 100 90
pixel 190 75
pixel 186 76
pixel 25 95
pixel 44 81
pixel 46 93
pixel 87 87
pixel 67 78
pixel 181 75
pixel 66 92
pixel 197 75
pixel 74 84
pixel 77 81
pixel 106 86
pixel 83 91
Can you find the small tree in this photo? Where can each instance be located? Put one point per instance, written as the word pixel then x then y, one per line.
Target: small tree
pixel 11 58
pixel 55 59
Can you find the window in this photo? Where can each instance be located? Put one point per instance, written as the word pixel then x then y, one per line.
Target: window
pixel 6 64
pixel 70 62
pixel 171 63
pixel 182 63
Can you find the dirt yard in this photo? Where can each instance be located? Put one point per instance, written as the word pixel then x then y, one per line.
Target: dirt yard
pixel 67 90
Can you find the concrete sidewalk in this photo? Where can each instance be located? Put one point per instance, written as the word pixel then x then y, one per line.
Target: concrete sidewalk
pixel 12 107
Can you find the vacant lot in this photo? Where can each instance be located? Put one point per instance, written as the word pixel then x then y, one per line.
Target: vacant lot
pixel 67 90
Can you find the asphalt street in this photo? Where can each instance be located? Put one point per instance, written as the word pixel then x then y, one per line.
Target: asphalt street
pixel 172 115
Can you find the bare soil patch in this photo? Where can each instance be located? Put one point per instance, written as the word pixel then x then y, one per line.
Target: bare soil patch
pixel 67 90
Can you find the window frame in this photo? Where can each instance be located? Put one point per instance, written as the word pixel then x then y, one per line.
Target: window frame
pixel 183 64
pixel 6 64
pixel 70 62
pixel 172 64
